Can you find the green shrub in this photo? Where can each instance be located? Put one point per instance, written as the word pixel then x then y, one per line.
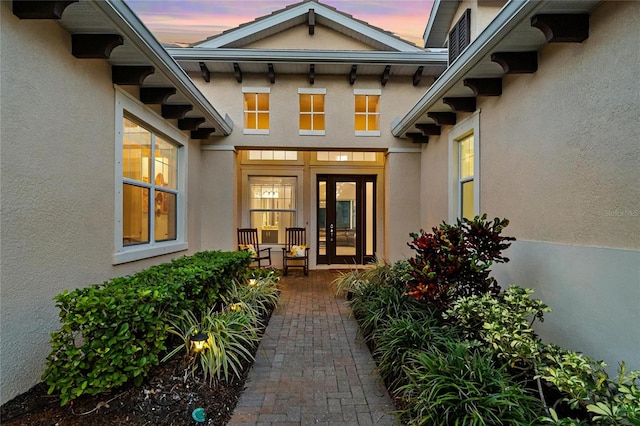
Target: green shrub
pixel 456 385
pixel 454 260
pixel 115 332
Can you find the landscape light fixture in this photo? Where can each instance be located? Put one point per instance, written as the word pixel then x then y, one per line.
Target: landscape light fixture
pixel 197 342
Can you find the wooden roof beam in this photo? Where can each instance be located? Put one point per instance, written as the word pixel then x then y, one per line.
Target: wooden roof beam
pixel 385 75
pixel 190 123
pixel 46 9
pixel 175 110
pixel 443 118
pixel 563 28
pixel 130 75
pixel 484 86
pixel 461 104
pixel 428 129
pixel 204 71
pixel 418 138
pixel 517 62
pixel 156 95
pixel 94 46
pixel 202 133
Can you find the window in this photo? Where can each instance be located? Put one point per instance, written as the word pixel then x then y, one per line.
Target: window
pixel 269 155
pixel 464 169
pixel 312 111
pixel 256 110
pixel 460 35
pixel 346 156
pixel 272 206
pixel 150 210
pixel 367 112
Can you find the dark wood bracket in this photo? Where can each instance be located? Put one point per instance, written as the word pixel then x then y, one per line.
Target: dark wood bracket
pixel 156 95
pixel 428 129
pixel 563 28
pixel 272 73
pixel 353 74
pixel 190 123
pixel 418 138
pixel 517 62
pixel 461 104
pixel 312 74
pixel 94 46
pixel 130 75
pixel 204 71
pixel 202 133
pixel 312 21
pixel 385 75
pixel 484 86
pixel 238 72
pixel 443 118
pixel 40 9
pixel 175 110
pixel 417 76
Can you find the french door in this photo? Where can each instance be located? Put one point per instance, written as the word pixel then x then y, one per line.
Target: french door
pixel 346 219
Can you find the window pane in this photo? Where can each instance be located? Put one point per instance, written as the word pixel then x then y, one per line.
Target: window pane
pixel 318 103
pixel 361 122
pixel 136 152
pixel 466 157
pixel 373 123
pixel 374 103
pixel 250 102
pixel 135 218
pixel 305 122
pixel 263 101
pixel 305 103
pixel 466 199
pixel 369 156
pixel 165 220
pixel 263 121
pixel 361 105
pixel 322 156
pixel 249 120
pixel 318 122
pixel 271 225
pixel 358 156
pixel 369 209
pixel 166 164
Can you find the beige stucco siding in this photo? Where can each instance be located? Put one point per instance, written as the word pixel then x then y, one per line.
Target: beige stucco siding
pixel 482 13
pixel 559 148
pixel 58 187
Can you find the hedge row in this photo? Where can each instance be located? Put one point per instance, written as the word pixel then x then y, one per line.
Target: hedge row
pixel 115 332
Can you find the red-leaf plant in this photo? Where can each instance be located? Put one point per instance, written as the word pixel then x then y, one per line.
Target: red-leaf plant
pixel 454 260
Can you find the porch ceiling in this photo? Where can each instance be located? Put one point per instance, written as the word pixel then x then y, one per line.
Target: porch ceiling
pixel 508 45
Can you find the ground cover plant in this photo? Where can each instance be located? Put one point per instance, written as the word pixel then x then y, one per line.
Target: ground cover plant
pixel 456 349
pixel 239 302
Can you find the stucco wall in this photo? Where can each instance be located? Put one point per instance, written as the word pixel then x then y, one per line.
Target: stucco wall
pixel 482 13
pixel 57 193
pixel 298 37
pixel 559 157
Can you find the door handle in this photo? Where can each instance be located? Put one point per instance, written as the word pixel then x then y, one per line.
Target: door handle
pixel 331 232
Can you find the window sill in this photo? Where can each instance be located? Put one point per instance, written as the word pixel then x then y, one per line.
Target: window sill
pixel 255 132
pixel 367 133
pixel 311 132
pixel 131 254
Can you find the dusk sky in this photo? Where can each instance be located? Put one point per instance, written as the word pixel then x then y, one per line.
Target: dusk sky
pixel 187 21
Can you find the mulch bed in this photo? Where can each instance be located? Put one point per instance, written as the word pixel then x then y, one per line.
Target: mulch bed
pixel 166 398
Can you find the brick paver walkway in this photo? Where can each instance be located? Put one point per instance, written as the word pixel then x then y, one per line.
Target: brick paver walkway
pixel 311 367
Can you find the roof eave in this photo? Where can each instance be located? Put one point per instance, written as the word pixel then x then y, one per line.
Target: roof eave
pixel 441 12
pixel 131 27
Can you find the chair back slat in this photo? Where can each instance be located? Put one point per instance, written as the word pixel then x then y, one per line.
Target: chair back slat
pixel 248 236
pixel 295 237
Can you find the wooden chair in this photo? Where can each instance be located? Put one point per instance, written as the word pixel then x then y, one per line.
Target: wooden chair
pixel 248 240
pixel 295 253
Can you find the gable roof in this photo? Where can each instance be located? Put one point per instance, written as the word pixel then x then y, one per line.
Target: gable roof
pixel 440 18
pixel 297 14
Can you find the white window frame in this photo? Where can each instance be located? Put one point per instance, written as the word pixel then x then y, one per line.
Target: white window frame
pixel 315 91
pixel 466 127
pixel 256 90
pixel 128 106
pixel 368 92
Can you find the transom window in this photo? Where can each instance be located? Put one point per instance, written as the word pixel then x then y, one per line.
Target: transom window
pixel 367 112
pixel 346 156
pixel 312 111
pixel 272 155
pixel 272 206
pixel 256 110
pixel 149 186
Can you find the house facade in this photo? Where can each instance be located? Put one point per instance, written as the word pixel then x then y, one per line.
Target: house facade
pixel 119 153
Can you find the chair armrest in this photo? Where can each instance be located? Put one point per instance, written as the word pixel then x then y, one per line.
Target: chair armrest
pixel 265 249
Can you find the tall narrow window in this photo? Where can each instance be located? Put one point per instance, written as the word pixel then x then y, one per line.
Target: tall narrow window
pixel 256 110
pixel 312 111
pixel 465 177
pixel 272 206
pixel 149 186
pixel 367 112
